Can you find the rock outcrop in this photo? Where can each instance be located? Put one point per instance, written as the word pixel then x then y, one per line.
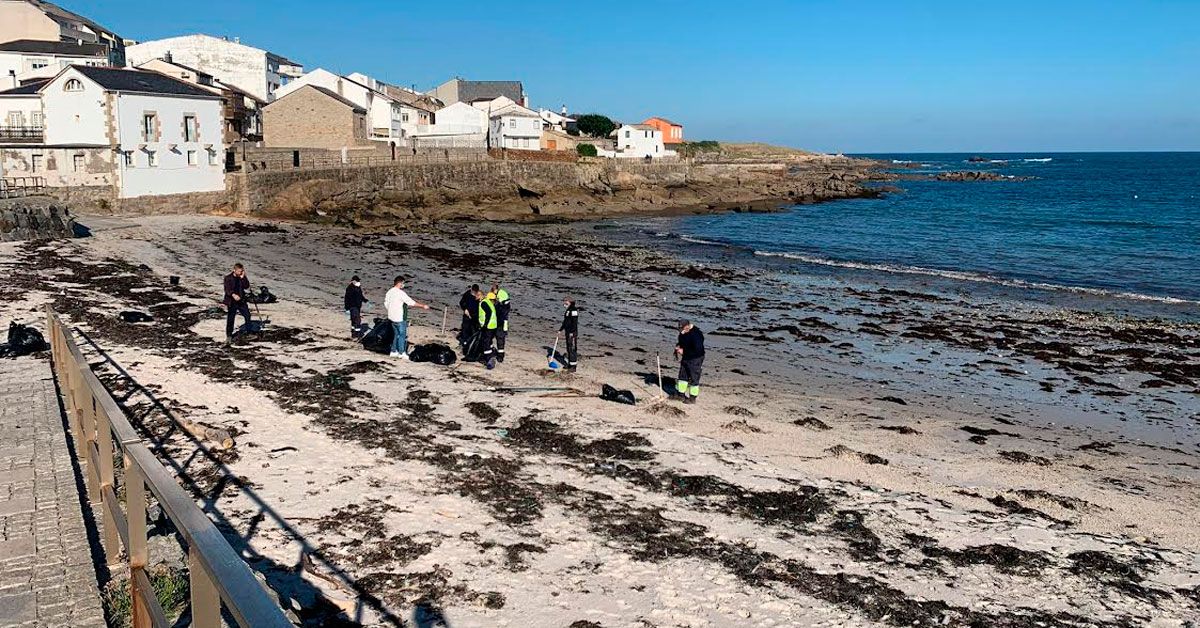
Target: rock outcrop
pixel 34 218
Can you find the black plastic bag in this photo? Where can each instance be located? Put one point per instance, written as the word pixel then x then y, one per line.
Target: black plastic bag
pixel 23 340
pixel 263 297
pixel 133 316
pixel 608 393
pixel 434 352
pixel 253 327
pixel 473 348
pixel 379 339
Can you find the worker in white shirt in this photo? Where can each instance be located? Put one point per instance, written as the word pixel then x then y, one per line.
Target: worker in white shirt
pixel 396 302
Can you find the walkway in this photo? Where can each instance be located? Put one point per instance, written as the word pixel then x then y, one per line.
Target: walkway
pixel 46 573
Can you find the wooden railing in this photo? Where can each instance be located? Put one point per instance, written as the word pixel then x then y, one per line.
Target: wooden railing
pixel 218 576
pixel 13 187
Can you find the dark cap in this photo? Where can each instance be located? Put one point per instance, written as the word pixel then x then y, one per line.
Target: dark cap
pixel 355 278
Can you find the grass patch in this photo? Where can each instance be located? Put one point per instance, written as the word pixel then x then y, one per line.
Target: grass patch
pixel 170 587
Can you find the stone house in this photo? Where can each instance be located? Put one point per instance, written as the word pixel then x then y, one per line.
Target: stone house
pixel 120 133
pixel 314 117
pixel 385 116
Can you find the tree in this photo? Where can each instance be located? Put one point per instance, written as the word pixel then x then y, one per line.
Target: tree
pixel 595 125
pixel 586 150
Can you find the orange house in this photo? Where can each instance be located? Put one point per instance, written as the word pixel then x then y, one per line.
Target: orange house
pixel 672 133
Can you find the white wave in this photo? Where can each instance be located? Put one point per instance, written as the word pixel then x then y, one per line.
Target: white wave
pixel 700 241
pixel 1040 159
pixel 970 276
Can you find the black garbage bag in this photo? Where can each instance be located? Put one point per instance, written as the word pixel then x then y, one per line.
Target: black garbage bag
pixel 608 393
pixel 253 327
pixel 263 297
pixel 434 352
pixel 133 316
pixel 473 348
pixel 379 339
pixel 23 340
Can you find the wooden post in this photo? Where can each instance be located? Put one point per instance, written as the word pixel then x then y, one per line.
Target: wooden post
pixel 135 504
pixel 112 539
pixel 444 311
pixel 658 363
pixel 206 602
pixel 87 422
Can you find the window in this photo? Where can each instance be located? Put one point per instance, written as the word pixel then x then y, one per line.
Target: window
pixel 191 132
pixel 37 119
pixel 192 161
pixel 627 135
pixel 404 117
pixel 16 118
pixel 37 64
pixel 35 163
pixel 128 156
pixel 212 157
pixel 149 127
pixel 152 158
pixel 77 163
pixel 73 85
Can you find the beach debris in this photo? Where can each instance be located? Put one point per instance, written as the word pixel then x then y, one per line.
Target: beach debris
pixel 482 411
pixel 740 425
pixel 732 445
pixel 1021 457
pixel 900 429
pixel 608 393
pixel 671 412
pixel 893 399
pixel 263 297
pixel 133 316
pixel 986 431
pixel 379 339
pixel 843 451
pixel 22 340
pixel 739 411
pixel 221 438
pixel 812 423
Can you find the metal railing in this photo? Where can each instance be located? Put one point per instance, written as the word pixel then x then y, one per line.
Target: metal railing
pixel 217 575
pixel 31 134
pixel 321 163
pixel 13 187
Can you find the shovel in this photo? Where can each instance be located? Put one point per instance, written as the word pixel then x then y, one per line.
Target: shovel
pixel 554 363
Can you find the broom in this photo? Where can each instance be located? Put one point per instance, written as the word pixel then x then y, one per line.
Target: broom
pixel 553 364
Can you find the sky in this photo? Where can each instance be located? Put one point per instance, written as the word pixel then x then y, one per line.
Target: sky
pixel 853 76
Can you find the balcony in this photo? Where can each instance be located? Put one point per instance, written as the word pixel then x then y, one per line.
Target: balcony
pixel 22 134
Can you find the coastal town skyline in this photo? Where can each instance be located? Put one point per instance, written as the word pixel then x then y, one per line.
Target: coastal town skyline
pixel 865 79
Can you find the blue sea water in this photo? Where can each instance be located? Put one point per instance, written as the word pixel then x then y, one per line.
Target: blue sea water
pixel 1119 224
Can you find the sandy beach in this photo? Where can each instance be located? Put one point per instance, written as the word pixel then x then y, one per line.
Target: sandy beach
pixel 862 454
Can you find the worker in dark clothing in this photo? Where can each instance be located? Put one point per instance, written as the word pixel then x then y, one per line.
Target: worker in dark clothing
pixel 236 287
pixel 570 330
pixel 354 302
pixel 503 307
pixel 469 304
pixel 488 322
pixel 690 351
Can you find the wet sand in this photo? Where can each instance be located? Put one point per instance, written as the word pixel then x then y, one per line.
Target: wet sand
pixel 862 454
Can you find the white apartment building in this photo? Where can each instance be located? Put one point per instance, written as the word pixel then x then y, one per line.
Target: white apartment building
pixel 253 70
pixel 458 126
pixel 27 59
pixel 137 133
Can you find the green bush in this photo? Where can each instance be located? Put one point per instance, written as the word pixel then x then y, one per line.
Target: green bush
pixel 170 587
pixel 586 150
pixel 595 125
pixel 691 149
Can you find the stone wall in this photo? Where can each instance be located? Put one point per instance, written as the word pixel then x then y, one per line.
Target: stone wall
pixel 34 217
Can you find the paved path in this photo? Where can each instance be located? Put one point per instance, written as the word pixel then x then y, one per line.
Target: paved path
pixel 46 572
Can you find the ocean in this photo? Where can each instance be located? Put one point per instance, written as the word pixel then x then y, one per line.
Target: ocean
pixel 1119 225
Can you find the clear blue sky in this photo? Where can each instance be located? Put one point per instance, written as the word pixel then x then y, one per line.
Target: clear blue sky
pixel 853 76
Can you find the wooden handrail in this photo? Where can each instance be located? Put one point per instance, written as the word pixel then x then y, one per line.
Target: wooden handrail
pixel 218 576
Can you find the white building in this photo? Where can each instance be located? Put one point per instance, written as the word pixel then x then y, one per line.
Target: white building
pixel 459 126
pixel 254 70
pixel 385 116
pixel 27 59
pixel 512 125
pixel 39 20
pixel 133 132
pixel 638 141
pixel 557 121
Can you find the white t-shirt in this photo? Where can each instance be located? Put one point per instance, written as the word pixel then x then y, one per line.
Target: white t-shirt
pixel 397 302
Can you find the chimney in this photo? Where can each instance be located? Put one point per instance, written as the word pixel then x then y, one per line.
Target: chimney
pixel 167 57
pixel 564 111
pixel 12 75
pixel 237 40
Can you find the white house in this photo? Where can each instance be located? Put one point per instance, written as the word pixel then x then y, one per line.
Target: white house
pixel 513 126
pixel 385 116
pixel 254 70
pixel 22 111
pixel 27 59
pixel 458 126
pixel 638 141
pixel 557 121
pixel 130 132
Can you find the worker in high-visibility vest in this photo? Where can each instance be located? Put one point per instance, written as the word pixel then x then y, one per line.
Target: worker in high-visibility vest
pixel 488 323
pixel 502 309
